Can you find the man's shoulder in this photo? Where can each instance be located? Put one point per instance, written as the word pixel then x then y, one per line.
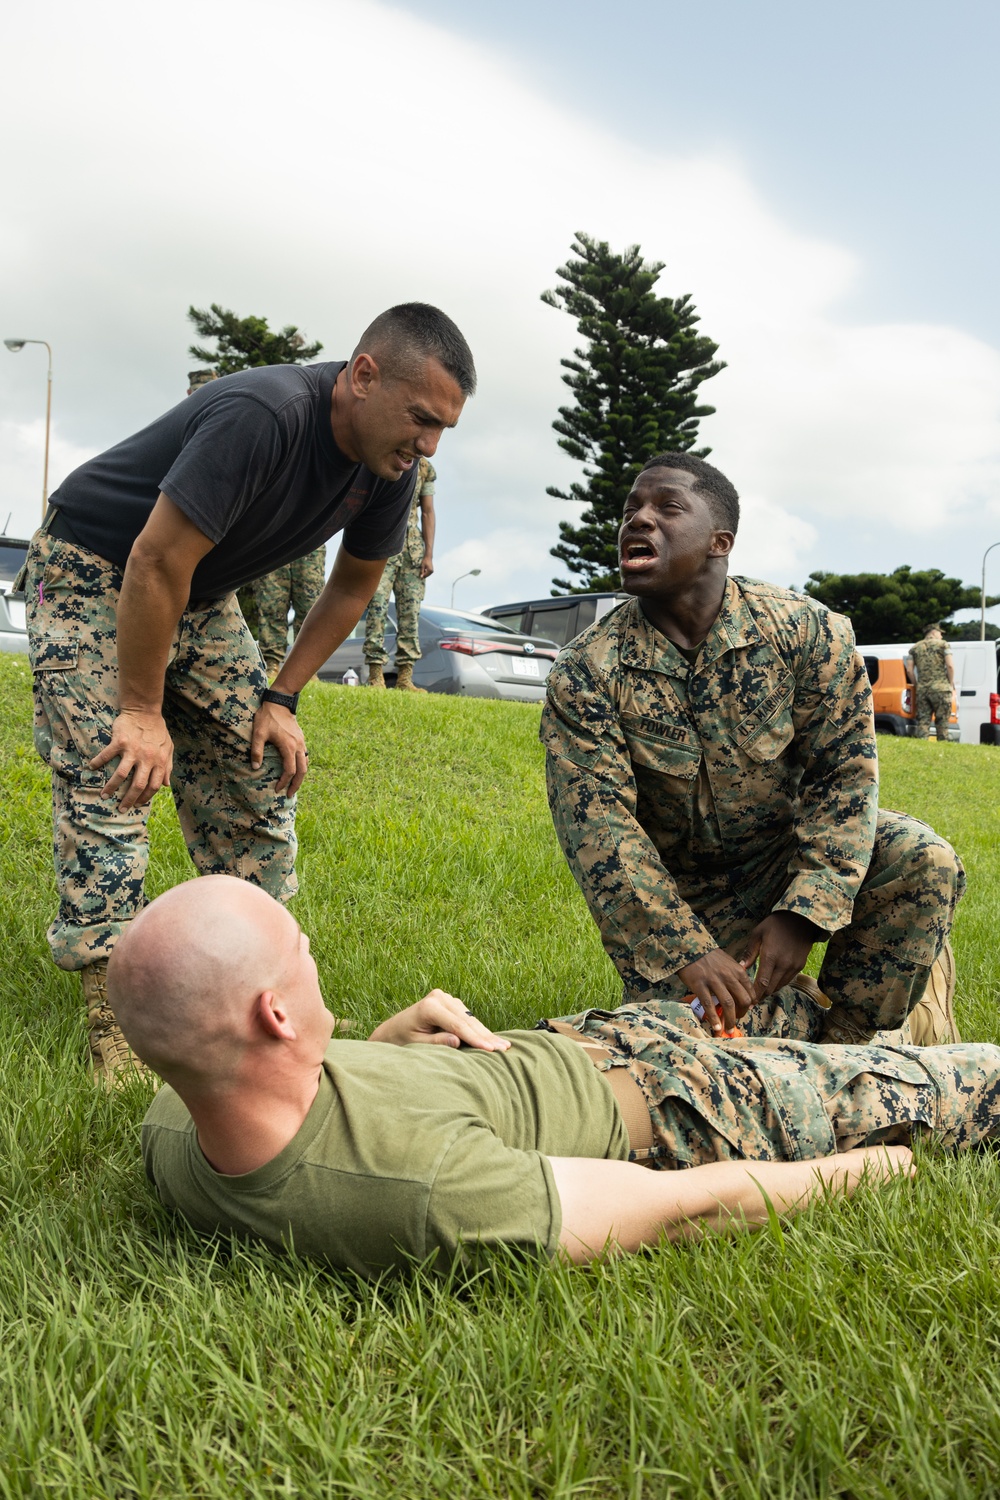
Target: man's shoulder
pixel 279 388
pixel 167 1134
pixel 771 598
pixel 167 1111
pixel 600 643
pixel 787 612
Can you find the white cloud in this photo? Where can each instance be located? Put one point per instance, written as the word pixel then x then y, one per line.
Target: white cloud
pixel 22 445
pixel 293 163
pixel 771 543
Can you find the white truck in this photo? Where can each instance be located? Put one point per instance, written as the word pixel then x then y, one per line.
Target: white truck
pixel 975 686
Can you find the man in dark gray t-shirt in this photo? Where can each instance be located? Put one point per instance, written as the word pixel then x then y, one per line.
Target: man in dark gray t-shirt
pixel 144 671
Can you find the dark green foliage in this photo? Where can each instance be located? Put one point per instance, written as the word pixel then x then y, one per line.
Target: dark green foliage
pixel 635 387
pixel 245 343
pixel 895 607
pixel 969 631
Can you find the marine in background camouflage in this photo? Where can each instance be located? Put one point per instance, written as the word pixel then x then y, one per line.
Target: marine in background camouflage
pixel 769 1099
pixel 402 578
pixel 232 819
pixel 296 587
pixel 932 660
pixel 691 802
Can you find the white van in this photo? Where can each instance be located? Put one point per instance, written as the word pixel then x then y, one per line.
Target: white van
pixel 975 686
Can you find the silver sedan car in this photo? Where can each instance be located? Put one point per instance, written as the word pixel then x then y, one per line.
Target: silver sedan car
pixel 13 631
pixel 462 653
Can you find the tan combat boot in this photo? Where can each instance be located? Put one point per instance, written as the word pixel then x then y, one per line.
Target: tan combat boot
pixel 932 1019
pixel 375 678
pixel 112 1060
pixel 404 679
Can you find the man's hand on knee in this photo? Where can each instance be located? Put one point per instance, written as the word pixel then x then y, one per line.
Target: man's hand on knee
pixel 781 945
pixel 275 725
pixel 142 741
pixel 718 979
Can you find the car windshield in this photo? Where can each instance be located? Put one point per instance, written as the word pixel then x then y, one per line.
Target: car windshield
pixel 12 555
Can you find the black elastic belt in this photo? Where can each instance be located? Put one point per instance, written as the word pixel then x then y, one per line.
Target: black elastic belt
pixel 60 528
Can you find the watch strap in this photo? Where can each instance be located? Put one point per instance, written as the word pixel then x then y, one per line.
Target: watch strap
pixel 285 700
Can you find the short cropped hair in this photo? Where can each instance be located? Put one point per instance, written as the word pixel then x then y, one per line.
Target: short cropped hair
pixel 723 501
pixel 402 338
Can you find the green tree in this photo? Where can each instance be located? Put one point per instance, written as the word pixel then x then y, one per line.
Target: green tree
pixel 969 631
pixel 897 607
pixel 635 389
pixel 245 343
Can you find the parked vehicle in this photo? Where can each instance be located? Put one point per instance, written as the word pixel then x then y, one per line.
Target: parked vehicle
pixel 556 619
pixel 977 709
pixel 13 630
pixel 466 654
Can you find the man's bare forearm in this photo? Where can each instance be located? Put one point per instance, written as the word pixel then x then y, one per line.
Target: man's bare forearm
pixel 151 602
pixel 627 1206
pixel 344 599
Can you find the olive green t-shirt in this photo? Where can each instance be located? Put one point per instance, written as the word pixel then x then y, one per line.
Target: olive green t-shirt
pixel 405 1152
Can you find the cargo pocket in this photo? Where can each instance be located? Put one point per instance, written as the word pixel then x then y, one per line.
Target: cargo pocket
pixel 66 732
pixel 902 1092
pixel 54 653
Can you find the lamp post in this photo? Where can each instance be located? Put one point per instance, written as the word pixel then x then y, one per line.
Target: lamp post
pixel 982 600
pixel 15 346
pixel 472 573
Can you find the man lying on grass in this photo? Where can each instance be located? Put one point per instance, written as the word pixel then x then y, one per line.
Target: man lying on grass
pixel 368 1156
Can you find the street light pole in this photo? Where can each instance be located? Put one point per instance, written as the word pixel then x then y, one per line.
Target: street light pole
pixel 15 346
pixel 472 573
pixel 982 600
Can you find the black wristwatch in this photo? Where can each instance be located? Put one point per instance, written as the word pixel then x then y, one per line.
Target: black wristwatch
pixel 286 700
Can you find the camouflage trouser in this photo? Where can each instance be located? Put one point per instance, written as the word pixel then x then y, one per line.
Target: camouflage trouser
pixel 401 578
pixel 296 586
pixel 875 969
pixel 233 820
pixel 932 701
pixel 772 1100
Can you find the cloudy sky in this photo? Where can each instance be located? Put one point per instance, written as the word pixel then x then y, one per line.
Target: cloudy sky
pixel 821 179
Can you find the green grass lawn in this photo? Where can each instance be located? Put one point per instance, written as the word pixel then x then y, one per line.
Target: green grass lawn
pixel 853 1352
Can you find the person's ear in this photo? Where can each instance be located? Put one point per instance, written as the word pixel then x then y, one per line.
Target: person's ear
pixel 273 1017
pixel 722 543
pixel 364 375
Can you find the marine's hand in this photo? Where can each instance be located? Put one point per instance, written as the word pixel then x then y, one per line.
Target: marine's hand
pixel 438 1017
pixel 427 566
pixel 718 979
pixel 143 742
pixel 781 944
pixel 276 725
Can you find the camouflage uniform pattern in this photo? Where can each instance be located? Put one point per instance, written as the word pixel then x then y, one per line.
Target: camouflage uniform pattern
pixel 934 692
pixel 401 578
pixel 233 820
pixel 692 801
pixel 770 1099
pixel 296 586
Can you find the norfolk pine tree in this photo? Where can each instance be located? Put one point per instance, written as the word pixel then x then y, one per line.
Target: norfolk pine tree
pixel 246 343
pixel 635 387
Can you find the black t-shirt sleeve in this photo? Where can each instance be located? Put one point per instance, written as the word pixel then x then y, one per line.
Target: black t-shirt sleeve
pixel 380 530
pixel 230 453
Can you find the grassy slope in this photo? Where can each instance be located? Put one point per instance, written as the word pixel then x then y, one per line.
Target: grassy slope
pixel 852 1354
